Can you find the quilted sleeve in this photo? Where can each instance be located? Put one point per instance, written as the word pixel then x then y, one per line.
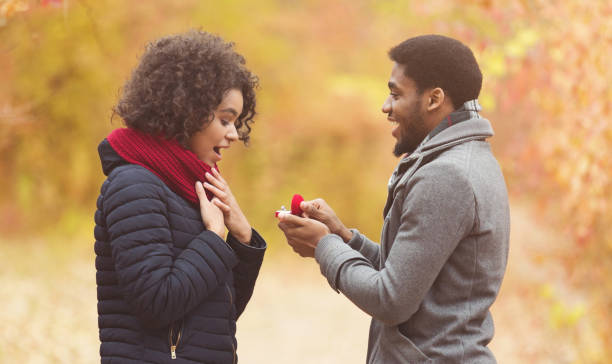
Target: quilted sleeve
pixel 246 272
pixel 161 287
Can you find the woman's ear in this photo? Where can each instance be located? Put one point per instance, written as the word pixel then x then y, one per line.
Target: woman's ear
pixel 435 99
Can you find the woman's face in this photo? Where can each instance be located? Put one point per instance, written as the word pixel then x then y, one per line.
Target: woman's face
pixel 219 133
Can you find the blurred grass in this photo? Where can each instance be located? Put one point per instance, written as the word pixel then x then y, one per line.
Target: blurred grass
pixel 48 300
pixel 49 305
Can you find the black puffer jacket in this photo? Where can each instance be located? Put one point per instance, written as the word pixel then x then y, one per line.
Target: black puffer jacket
pixel 162 276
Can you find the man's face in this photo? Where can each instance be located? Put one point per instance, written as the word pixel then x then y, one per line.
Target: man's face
pixel 403 107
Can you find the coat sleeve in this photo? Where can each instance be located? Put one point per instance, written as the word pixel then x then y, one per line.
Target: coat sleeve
pixel 437 212
pixel 250 258
pixel 369 249
pixel 160 286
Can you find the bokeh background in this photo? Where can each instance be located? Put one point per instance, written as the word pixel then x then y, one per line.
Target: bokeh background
pixel 323 69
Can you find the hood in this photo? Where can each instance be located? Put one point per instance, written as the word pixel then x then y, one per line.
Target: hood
pixel 109 158
pixel 476 128
pixel 470 129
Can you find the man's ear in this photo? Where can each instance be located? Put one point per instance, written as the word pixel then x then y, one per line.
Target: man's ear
pixel 435 99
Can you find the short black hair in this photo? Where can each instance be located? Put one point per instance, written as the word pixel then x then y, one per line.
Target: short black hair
pixel 180 81
pixel 438 61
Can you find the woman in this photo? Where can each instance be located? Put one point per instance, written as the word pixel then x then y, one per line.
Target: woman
pixel 169 287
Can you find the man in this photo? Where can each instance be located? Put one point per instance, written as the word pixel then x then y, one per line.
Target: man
pixel 444 244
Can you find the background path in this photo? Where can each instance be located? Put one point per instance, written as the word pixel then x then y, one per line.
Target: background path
pixel 48 299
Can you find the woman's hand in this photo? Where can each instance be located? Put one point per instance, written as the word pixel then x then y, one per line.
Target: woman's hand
pixel 212 216
pixel 235 221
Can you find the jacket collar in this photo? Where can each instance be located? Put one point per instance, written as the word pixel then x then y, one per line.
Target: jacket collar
pixel 466 124
pixel 108 157
pixel 462 124
pixel 469 110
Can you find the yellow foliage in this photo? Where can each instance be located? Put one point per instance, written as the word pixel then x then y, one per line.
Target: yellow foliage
pixel 323 70
pixel 562 315
pixel 8 8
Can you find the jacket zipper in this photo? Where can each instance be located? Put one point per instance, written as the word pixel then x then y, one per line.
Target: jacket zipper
pixel 229 291
pixel 174 345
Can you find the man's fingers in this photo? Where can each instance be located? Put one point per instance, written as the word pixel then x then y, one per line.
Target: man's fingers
pixel 295 246
pixel 307 208
pixel 295 249
pixel 292 220
pixel 286 226
pixel 319 202
pixel 300 250
pixel 313 207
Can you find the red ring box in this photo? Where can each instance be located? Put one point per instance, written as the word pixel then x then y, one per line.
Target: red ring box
pixel 295 206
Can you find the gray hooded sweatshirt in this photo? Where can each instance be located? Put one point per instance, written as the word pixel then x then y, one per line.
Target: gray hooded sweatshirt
pixel 444 245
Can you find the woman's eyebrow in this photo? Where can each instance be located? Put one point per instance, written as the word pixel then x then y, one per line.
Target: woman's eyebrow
pixel 230 110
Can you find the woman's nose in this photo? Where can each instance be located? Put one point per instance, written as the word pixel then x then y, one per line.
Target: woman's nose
pixel 232 133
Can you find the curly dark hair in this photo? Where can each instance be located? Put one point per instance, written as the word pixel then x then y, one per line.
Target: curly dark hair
pixel 180 81
pixel 438 61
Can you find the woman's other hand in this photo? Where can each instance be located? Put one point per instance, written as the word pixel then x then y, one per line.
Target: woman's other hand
pixel 235 221
pixel 212 216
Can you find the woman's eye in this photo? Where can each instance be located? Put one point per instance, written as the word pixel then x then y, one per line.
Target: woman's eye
pixel 224 122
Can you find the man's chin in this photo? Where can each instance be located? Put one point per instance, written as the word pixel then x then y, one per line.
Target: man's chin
pixel 397 152
pixel 401 149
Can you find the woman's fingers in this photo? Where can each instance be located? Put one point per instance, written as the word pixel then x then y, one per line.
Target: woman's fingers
pixel 211 213
pixel 200 192
pixel 218 176
pixel 224 200
pixel 223 207
pixel 215 181
pixel 216 191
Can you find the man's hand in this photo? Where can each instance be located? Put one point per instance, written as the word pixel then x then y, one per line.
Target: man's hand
pixel 319 210
pixel 302 234
pixel 236 222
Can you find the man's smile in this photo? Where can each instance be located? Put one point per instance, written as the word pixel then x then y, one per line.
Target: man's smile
pixel 396 126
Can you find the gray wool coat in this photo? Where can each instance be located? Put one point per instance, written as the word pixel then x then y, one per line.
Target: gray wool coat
pixel 430 283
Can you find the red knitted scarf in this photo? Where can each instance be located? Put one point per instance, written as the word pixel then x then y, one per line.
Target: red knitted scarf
pixel 176 166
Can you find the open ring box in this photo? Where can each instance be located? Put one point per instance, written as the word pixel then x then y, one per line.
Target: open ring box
pixel 295 207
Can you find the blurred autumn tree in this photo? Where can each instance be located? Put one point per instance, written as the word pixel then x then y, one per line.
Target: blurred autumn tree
pixel 323 70
pixel 559 97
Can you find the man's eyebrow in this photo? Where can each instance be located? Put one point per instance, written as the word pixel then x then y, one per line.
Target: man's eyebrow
pixel 230 110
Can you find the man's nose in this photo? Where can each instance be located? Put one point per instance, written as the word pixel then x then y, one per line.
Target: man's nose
pixel 386 106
